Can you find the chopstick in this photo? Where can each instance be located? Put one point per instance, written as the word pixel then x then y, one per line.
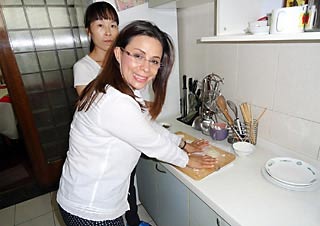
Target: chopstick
pixel 261 114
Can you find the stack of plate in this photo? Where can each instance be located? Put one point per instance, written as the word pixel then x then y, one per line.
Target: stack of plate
pixel 292 174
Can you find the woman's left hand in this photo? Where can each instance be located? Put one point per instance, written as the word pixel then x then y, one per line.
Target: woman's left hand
pixel 196 146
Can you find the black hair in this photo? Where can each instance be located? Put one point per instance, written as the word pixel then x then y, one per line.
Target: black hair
pixel 99 11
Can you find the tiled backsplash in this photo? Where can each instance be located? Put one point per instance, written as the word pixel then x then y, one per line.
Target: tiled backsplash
pixel 284 77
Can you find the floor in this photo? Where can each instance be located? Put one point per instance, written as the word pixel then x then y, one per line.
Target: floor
pixel 17 183
pixel 43 211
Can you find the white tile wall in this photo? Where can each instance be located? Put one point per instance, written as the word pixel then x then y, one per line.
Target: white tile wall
pixel 284 77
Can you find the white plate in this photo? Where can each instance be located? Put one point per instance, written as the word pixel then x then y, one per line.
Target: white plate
pixel 292 171
pixel 288 186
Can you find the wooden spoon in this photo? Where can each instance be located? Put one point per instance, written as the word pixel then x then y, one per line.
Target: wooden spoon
pixel 222 105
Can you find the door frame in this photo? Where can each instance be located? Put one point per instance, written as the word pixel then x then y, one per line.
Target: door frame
pixel 46 173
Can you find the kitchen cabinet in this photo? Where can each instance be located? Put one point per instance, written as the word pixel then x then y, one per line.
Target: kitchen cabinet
pixel 173 199
pixel 147 186
pixel 168 201
pixel 203 215
pixel 163 196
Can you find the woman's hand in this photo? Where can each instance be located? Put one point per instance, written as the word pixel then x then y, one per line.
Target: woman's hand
pixel 201 161
pixel 196 146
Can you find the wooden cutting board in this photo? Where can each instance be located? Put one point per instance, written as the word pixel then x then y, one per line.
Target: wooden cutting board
pixel 222 156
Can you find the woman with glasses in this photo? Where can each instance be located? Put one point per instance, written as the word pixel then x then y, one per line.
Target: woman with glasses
pixel 112 127
pixel 101 23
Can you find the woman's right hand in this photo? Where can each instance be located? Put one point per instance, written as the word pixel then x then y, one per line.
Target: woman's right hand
pixel 201 161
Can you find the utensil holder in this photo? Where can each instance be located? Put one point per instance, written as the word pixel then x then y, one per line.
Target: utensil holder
pixel 233 137
pixel 252 131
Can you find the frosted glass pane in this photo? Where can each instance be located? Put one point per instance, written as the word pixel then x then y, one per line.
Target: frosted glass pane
pixel 21 41
pixel 14 18
pixel 48 61
pixel 57 98
pixel 84 38
pixel 64 38
pixel 67 58
pixel 27 62
pixel 42 119
pixel 52 80
pixel 68 77
pixel 32 82
pixel 43 40
pixel 34 2
pixel 38 17
pixel 55 2
pixel 76 37
pixel 38 101
pixel 80 16
pixel 11 2
pixel 82 52
pixel 59 17
pixel 73 16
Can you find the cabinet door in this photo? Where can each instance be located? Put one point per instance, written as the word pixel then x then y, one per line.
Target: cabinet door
pixel 173 200
pixel 147 186
pixel 222 222
pixel 201 214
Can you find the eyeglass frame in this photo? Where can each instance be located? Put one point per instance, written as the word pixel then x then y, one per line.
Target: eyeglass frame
pixel 140 58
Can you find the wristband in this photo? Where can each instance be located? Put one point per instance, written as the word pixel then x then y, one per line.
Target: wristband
pixel 182 144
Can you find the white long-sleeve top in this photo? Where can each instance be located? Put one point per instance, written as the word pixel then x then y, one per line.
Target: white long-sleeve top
pixel 104 147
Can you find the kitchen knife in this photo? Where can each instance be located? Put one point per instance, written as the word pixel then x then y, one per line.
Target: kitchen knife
pixel 184 95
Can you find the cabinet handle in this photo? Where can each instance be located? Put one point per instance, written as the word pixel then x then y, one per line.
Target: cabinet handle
pixel 218 222
pixel 161 171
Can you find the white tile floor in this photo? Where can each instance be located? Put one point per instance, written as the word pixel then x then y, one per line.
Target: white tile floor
pixel 43 211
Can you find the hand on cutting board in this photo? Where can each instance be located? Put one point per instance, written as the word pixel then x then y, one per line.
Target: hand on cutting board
pixel 201 161
pixel 196 146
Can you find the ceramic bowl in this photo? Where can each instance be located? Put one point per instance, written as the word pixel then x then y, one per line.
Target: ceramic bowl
pixel 243 148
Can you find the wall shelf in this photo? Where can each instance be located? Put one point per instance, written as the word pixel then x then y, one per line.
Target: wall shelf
pixel 299 37
pixel 175 3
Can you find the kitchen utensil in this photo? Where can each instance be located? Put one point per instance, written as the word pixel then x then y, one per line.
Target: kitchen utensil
pixel 261 114
pixel 223 157
pixel 234 108
pixel 222 105
pixel 184 96
pixel 206 123
pixel 196 124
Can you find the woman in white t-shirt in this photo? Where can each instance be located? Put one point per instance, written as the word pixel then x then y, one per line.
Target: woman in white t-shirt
pixel 101 23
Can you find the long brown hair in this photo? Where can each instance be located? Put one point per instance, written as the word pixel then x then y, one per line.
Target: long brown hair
pixel 111 75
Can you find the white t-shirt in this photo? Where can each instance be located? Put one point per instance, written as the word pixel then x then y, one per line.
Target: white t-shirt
pixel 104 147
pixel 85 70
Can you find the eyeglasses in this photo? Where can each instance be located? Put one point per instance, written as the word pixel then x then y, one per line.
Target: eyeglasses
pixel 139 58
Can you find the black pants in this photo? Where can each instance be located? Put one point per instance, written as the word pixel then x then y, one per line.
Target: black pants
pixel 131 215
pixel 72 220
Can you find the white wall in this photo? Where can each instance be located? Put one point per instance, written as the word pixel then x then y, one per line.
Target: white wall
pixel 284 77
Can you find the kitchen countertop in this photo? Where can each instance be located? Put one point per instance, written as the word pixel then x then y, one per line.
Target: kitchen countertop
pixel 242 196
